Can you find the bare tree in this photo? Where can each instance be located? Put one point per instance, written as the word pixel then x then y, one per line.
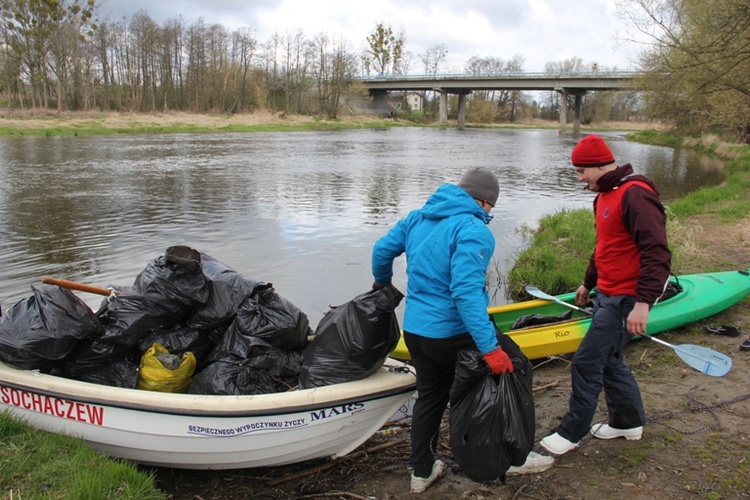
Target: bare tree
pixel 385 51
pixel 503 104
pixel 433 57
pixel 296 64
pixel 244 47
pixel 333 66
pixel 697 61
pixel 43 37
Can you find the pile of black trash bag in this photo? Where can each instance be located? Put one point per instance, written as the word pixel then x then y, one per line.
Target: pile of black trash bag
pixel 492 417
pixel 241 336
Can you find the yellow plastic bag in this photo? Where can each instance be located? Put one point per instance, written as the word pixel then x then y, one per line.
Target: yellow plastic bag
pixel 154 376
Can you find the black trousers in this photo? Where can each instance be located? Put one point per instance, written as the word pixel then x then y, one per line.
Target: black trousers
pixel 598 365
pixel 435 363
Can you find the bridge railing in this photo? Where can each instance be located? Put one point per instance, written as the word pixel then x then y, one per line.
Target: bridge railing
pixel 503 74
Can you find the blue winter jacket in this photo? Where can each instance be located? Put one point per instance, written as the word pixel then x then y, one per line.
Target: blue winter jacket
pixel 448 249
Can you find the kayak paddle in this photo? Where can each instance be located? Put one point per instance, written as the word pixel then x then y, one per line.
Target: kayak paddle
pixel 534 291
pixel 701 358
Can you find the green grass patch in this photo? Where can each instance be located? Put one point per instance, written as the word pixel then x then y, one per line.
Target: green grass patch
pixel 557 254
pixel 655 362
pixel 655 137
pixel 37 464
pixel 96 128
pixel 635 455
pixel 668 438
pixel 727 465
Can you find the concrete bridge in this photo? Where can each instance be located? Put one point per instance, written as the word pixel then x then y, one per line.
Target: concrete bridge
pixel 576 84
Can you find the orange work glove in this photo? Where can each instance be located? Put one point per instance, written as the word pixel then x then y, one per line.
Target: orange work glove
pixel 498 361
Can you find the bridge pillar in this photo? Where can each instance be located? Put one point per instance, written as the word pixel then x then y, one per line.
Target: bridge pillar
pixel 380 102
pixel 576 110
pixel 462 108
pixel 563 109
pixel 443 106
pixel 577 120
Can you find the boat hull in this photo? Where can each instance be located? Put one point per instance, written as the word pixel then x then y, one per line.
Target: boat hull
pixel 209 432
pixel 703 295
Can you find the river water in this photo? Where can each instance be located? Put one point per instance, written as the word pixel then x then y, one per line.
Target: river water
pixel 300 210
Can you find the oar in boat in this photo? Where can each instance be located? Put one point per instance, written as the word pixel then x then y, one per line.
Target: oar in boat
pixel 701 358
pixel 79 286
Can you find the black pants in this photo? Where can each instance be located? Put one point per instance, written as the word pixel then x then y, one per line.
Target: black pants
pixel 598 364
pixel 435 363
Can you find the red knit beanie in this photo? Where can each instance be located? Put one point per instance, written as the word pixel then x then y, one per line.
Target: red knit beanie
pixel 592 151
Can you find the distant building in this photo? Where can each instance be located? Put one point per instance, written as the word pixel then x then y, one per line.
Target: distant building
pixel 414 100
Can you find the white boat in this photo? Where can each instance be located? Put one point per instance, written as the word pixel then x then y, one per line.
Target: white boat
pixel 210 432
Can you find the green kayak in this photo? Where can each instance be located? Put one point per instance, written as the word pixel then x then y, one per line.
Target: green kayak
pixel 698 297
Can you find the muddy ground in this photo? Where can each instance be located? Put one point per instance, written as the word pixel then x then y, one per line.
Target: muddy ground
pixel 696 443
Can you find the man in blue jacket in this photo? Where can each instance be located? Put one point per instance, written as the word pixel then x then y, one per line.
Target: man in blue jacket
pixel 448 248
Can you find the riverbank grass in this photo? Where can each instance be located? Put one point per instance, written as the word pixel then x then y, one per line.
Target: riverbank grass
pixel 556 255
pixel 37 464
pixel 49 124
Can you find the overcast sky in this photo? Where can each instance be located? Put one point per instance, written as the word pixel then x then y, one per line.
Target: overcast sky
pixel 540 31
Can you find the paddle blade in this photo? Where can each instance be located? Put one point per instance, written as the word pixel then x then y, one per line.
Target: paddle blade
pixel 535 292
pixel 704 360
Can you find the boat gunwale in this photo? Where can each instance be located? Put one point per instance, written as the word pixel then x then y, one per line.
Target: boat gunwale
pixel 204 405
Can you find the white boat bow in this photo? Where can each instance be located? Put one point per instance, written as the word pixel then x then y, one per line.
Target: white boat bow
pixel 206 431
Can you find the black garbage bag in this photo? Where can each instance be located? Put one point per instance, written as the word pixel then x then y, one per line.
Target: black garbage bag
pixel 267 315
pixel 43 329
pixel 174 282
pixel 129 317
pixel 264 369
pixel 116 373
pixel 227 290
pixel 227 378
pixel 491 417
pixel 539 319
pixel 353 340
pixel 92 355
pixel 125 319
pixel 180 340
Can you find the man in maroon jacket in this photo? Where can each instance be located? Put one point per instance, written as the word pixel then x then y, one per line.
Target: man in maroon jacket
pixel 630 269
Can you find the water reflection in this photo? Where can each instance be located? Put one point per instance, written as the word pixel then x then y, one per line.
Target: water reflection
pixel 298 209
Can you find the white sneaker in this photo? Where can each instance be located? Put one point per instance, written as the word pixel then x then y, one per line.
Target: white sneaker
pixel 419 484
pixel 605 431
pixel 558 445
pixel 534 464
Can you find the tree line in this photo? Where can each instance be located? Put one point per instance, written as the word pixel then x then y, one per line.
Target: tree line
pixel 56 54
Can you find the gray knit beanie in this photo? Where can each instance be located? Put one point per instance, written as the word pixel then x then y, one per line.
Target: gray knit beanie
pixel 481 184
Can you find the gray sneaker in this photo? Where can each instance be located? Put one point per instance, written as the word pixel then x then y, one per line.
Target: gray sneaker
pixel 419 484
pixel 534 464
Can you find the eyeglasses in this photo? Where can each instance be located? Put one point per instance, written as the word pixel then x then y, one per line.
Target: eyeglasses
pixel 485 201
